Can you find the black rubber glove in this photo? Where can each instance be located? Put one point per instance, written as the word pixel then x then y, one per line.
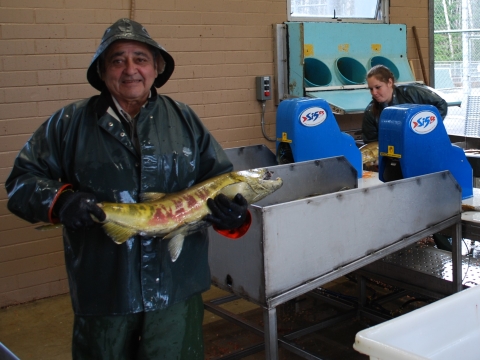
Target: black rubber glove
pixel 227 214
pixel 74 209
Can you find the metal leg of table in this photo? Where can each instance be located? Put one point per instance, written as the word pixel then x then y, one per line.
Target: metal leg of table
pixel 271 337
pixel 457 258
pixel 362 291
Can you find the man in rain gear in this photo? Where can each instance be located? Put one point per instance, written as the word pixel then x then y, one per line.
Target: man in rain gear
pixel 130 301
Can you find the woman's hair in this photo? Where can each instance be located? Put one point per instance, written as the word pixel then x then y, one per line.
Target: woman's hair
pixel 383 74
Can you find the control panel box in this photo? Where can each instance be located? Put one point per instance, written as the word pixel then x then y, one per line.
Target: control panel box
pixel 264 88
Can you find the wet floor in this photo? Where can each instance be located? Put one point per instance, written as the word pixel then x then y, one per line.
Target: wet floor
pixel 41 329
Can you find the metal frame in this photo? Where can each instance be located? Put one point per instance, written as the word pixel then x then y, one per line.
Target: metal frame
pixel 384 4
pixel 431 43
pixel 280 58
pixel 283 266
pixel 273 341
pixel 6 354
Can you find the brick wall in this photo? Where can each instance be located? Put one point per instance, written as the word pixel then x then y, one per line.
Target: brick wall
pixel 413 13
pixel 219 47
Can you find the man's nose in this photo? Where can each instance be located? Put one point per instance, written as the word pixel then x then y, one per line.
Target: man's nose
pixel 130 67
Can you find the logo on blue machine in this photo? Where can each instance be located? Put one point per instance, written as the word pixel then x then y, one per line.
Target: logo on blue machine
pixel 423 122
pixel 313 116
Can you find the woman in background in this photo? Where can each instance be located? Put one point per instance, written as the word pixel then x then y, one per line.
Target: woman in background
pixel 381 83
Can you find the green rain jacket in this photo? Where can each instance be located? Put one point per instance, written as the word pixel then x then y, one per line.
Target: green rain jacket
pixel 402 94
pixel 85 145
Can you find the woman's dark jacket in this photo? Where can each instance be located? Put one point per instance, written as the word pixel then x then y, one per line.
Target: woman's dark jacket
pixel 402 94
pixel 85 145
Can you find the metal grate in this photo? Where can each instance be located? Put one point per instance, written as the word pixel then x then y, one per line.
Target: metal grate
pixel 436 263
pixel 472 121
pixel 457 59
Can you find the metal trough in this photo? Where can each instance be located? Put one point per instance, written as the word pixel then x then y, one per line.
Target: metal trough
pixel 298 242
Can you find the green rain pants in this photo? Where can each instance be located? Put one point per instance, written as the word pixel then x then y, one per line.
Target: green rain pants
pixel 172 333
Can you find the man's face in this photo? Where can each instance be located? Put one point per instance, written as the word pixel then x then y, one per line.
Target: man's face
pixel 129 71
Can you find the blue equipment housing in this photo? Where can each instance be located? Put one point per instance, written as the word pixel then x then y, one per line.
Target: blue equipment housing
pixel 413 141
pixel 308 128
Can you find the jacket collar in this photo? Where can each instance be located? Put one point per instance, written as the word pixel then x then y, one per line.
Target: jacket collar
pixel 394 100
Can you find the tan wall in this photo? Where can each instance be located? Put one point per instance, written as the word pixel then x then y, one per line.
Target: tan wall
pixel 219 47
pixel 413 13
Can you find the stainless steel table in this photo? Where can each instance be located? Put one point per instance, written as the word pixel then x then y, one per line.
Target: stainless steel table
pixel 298 242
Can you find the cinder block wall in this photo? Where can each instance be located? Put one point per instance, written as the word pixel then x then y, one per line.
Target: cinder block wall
pixel 219 47
pixel 413 13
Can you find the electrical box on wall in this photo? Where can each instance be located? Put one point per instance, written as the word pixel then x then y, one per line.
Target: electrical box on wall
pixel 264 88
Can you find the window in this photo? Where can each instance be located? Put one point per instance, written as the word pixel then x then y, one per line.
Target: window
pixel 338 10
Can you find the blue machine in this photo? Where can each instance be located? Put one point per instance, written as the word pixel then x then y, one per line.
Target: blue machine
pixel 413 141
pixel 307 130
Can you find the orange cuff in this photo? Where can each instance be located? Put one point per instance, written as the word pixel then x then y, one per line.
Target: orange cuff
pixel 238 232
pixel 50 211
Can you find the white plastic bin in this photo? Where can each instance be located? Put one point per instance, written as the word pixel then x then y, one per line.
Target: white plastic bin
pixel 447 329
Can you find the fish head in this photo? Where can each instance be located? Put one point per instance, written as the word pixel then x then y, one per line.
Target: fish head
pixel 254 184
pixel 370 153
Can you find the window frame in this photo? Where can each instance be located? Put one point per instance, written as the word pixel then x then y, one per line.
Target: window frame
pixel 384 5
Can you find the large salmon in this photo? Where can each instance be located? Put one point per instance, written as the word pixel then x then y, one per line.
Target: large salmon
pixel 173 216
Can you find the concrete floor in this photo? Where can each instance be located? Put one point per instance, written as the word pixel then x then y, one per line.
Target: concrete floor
pixel 41 329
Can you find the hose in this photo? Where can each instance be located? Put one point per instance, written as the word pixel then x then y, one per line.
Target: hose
pixel 263 124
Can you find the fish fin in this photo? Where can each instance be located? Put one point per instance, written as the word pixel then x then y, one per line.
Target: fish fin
pixel 119 234
pixel 196 226
pixel 49 227
pixel 151 196
pixel 187 229
pixel 175 246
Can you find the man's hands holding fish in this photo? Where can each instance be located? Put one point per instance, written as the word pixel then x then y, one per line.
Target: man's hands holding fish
pixel 74 209
pixel 171 216
pixel 227 214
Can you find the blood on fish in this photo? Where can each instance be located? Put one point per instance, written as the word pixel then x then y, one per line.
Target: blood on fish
pixel 162 214
pixel 190 199
pixel 178 203
pixel 179 211
pixel 159 215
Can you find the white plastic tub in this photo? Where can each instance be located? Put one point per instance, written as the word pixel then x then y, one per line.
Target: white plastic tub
pixel 447 329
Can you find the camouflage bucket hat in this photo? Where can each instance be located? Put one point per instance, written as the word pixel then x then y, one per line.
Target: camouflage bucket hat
pixel 126 29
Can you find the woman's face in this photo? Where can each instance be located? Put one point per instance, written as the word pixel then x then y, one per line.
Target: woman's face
pixel 381 91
